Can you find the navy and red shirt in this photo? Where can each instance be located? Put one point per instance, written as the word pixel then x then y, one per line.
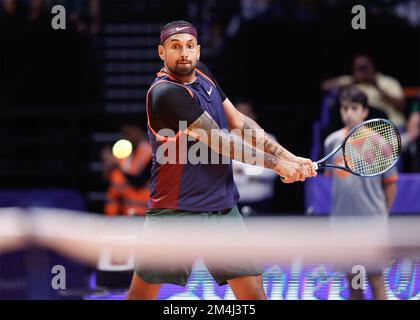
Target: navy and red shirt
pixel 181 184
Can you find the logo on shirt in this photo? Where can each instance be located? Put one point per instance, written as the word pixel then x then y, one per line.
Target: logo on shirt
pixel 209 92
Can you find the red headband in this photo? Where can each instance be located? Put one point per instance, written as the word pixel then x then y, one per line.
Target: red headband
pixel 179 28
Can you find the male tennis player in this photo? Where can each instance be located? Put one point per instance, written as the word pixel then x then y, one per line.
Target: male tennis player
pixel 185 91
pixel 353 196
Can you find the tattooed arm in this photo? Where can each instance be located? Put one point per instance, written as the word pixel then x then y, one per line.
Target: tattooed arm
pixel 206 130
pixel 251 132
pixel 169 103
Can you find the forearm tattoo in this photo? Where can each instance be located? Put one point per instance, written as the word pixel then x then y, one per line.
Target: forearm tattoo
pixel 269 145
pixel 207 131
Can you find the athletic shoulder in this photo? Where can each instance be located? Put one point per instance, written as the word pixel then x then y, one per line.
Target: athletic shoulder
pixel 387 78
pixel 168 94
pixel 165 89
pixel 169 103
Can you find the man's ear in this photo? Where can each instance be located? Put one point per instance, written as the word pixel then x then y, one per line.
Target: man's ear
pixel 161 51
pixel 199 52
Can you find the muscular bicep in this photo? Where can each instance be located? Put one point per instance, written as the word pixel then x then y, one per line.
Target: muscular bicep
pixel 233 116
pixel 206 130
pixel 203 128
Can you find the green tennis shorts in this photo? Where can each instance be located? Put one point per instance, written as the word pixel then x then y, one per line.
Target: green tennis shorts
pixel 178 273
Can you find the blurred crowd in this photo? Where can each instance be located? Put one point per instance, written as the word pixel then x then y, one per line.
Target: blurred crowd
pixel 82 15
pixel 225 17
pixel 386 99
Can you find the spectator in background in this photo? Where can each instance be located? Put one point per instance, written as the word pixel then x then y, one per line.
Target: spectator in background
pixel 9 7
pixel 355 196
pixel 384 92
pixel 128 190
pixel 35 9
pixel 255 184
pixel 410 139
pixel 10 10
pixel 84 16
pixel 29 10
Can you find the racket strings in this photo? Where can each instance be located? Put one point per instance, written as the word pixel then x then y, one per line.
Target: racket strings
pixel 372 148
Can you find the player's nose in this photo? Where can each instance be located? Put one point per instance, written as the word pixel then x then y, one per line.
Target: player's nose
pixel 184 52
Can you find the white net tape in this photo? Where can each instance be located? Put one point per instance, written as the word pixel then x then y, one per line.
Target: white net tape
pixel 84 236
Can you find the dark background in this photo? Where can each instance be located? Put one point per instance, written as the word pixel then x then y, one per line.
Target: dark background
pixel 63 91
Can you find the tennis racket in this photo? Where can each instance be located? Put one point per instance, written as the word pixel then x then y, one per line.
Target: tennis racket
pixel 370 149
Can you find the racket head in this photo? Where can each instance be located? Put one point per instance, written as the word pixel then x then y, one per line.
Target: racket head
pixel 372 147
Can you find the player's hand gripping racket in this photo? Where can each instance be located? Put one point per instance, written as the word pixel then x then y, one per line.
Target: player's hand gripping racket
pixel 371 148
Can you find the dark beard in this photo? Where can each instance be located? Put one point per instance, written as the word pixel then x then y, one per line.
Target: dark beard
pixel 182 70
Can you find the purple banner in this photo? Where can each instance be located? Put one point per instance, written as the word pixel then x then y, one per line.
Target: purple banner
pixel 318 195
pixel 296 281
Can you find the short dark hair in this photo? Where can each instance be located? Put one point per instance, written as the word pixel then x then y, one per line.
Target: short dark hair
pixel 365 54
pixel 353 94
pixel 176 22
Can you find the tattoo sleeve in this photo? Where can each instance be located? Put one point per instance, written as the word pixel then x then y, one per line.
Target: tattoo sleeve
pixel 253 134
pixel 206 130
